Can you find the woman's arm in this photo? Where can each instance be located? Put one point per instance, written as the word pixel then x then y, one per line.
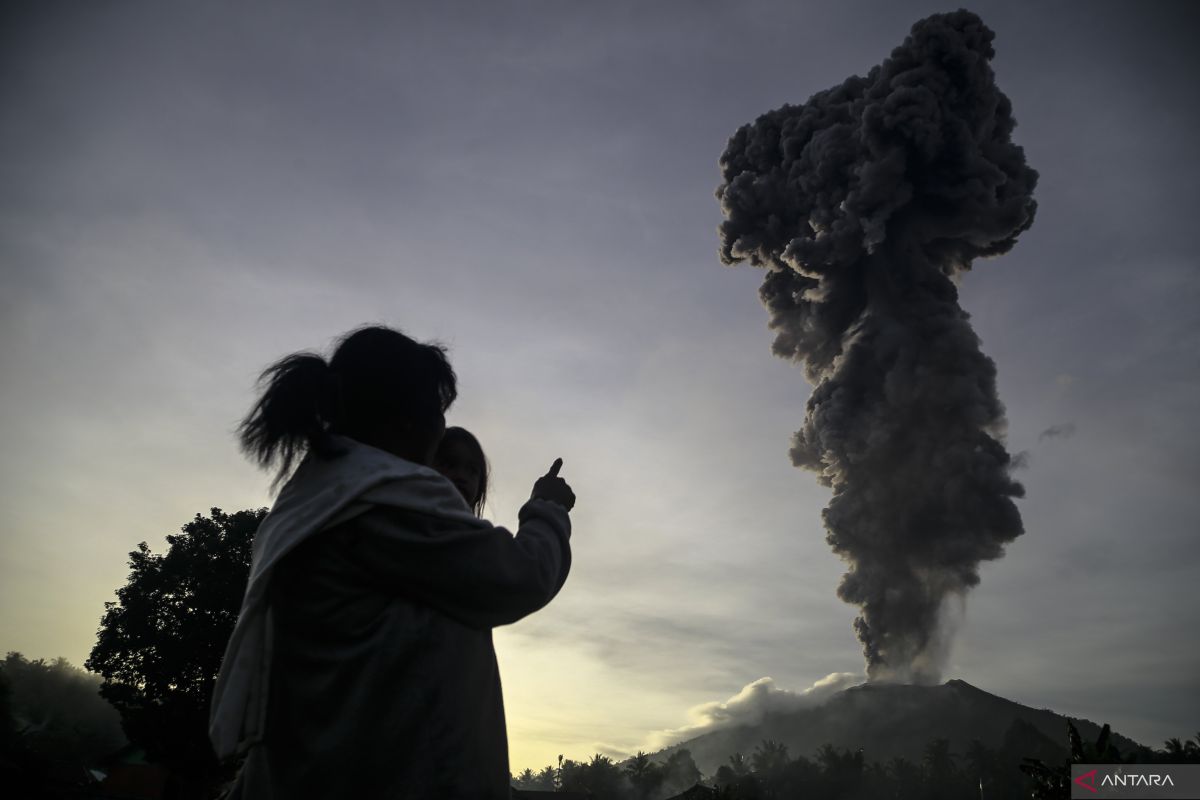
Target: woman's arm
pixel 480 575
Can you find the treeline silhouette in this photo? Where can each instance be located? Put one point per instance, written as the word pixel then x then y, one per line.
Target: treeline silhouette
pixel 160 644
pixel 637 779
pixel 53 725
pixel 772 773
pixel 157 653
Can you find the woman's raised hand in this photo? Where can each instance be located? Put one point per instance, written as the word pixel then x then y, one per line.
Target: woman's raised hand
pixel 553 488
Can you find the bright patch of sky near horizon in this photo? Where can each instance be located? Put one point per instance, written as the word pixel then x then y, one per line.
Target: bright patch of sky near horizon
pixel 190 192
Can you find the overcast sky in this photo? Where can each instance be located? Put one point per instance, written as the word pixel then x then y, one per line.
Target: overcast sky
pixel 189 191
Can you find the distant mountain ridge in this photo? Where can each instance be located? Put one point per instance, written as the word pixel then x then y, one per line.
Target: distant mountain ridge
pixel 891 720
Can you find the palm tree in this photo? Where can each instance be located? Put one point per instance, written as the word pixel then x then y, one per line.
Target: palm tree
pixel 545 779
pixel 1055 781
pixel 638 765
pixel 1174 748
pixel 769 757
pixel 981 763
pixel 770 761
pixel 941 775
pixel 841 770
pixel 645 775
pixel 1177 751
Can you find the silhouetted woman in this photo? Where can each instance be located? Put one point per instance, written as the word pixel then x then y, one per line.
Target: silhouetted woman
pixel 362 663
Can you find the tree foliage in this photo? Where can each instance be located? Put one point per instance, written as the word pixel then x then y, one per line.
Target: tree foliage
pixel 160 644
pixel 771 773
pixel 638 779
pixel 55 709
pixel 680 771
pixel 600 776
pixel 53 724
pixel 645 776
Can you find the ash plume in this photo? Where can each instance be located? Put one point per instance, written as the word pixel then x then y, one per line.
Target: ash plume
pixel 865 204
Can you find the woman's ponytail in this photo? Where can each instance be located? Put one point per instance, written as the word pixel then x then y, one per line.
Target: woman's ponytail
pixel 299 403
pixel 376 377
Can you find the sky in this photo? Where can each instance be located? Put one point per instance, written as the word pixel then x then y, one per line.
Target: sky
pixel 189 191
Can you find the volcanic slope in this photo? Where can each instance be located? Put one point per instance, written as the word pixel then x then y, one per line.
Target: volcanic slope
pixel 890 720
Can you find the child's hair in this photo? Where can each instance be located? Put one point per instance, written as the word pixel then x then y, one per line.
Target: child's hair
pixel 455 435
pixel 375 376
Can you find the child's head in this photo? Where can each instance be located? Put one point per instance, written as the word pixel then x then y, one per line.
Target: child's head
pixel 460 458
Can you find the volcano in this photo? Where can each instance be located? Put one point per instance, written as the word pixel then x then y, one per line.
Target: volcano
pixel 893 720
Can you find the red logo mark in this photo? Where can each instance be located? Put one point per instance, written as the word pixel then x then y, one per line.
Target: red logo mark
pixel 1087 780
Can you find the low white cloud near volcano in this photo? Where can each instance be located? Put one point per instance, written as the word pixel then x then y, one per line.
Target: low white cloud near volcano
pixel 750 705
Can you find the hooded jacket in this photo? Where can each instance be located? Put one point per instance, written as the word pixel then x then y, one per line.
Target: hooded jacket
pixel 362 662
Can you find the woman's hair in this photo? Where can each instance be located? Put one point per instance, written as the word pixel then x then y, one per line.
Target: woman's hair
pixel 455 435
pixel 376 376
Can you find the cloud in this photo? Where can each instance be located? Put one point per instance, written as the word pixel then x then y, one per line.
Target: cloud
pixel 1064 431
pixel 754 702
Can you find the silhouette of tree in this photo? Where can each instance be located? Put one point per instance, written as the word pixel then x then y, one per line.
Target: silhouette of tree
pixel 982 768
pixel 1177 751
pixel 876 782
pixel 906 778
pixel 55 724
pixel 839 774
pixel 942 777
pixel 938 760
pixel 600 776
pixel 605 777
pixel 735 780
pixel 645 776
pixel 1102 752
pixel 160 645
pixel 57 710
pixel 769 757
pixel 744 787
pixel 540 781
pixel 570 775
pixel 8 724
pixel 770 760
pixel 802 778
pixel 680 770
pixel 842 771
pixel 1055 781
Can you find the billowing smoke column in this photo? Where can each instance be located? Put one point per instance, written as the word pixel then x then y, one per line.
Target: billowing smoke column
pixel 864 204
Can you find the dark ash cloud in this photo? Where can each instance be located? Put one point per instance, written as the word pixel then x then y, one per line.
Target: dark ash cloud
pixel 864 204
